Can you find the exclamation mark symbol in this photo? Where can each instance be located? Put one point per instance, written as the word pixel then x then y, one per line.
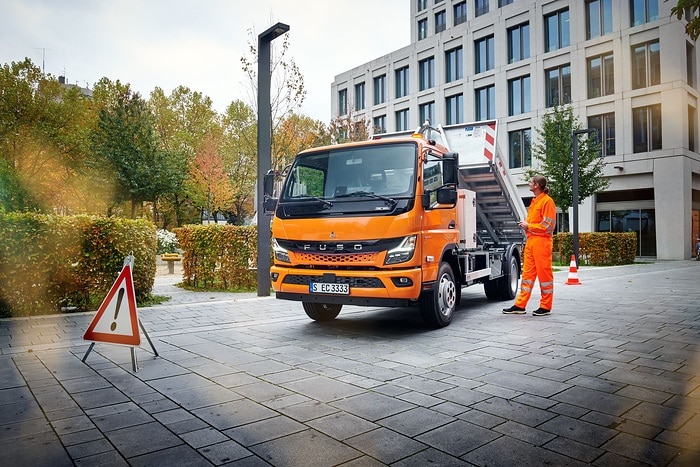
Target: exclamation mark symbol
pixel 116 311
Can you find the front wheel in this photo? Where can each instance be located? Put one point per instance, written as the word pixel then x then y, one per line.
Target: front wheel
pixel 438 305
pixel 321 311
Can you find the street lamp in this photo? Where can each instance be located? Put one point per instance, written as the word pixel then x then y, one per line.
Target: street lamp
pixel 264 151
pixel 574 187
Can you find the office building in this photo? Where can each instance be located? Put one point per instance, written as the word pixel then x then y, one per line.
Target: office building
pixel 626 66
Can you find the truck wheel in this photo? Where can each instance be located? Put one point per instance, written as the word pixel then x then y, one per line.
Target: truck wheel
pixel 491 289
pixel 508 284
pixel 438 305
pixel 321 311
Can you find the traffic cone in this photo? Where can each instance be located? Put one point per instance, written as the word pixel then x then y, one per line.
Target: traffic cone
pixel 573 273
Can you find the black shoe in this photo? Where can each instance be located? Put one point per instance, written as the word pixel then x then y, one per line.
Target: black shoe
pixel 541 312
pixel 514 310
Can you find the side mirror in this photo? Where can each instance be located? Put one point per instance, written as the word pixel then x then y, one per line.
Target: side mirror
pixel 449 168
pixel 269 203
pixel 446 195
pixel 268 183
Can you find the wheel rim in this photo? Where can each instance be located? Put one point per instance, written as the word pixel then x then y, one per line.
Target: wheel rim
pixel 447 295
pixel 513 278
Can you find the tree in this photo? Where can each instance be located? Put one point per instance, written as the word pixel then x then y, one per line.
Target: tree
pixel 347 128
pixel 42 140
pixel 689 9
pixel 182 120
pixel 126 150
pixel 239 148
pixel 554 152
pixel 210 188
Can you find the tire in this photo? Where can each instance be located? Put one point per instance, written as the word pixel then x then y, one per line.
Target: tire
pixel 438 305
pixel 321 311
pixel 508 284
pixel 491 290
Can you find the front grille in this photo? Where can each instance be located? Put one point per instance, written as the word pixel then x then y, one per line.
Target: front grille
pixel 358 282
pixel 318 258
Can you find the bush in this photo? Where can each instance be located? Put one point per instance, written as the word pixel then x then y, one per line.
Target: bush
pixel 51 262
pixel 598 248
pixel 219 256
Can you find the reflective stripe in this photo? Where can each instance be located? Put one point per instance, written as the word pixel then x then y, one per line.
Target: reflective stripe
pixel 525 288
pixel 547 291
pixel 529 282
pixel 546 284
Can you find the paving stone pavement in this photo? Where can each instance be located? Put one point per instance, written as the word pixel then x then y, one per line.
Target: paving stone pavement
pixel 611 378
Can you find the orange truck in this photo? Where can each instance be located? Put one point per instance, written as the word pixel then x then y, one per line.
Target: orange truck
pixel 400 220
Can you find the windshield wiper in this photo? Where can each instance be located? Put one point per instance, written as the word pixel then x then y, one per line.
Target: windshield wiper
pixel 324 202
pixel 389 201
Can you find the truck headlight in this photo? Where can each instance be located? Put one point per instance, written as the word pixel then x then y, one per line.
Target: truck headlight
pixel 281 254
pixel 403 252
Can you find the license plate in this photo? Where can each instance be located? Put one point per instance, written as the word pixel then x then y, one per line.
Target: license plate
pixel 325 287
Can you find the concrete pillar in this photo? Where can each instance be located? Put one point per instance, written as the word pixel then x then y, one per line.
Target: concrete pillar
pixel 672 204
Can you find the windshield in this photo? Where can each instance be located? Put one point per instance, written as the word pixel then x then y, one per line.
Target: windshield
pixel 381 173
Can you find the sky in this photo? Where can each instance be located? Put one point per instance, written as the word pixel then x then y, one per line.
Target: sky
pixel 199 44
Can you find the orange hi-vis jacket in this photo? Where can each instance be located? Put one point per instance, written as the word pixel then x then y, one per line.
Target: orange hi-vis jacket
pixel 537 256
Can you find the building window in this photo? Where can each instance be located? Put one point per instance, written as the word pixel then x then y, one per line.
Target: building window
pixel 454 106
pixel 605 132
pixel 460 12
pixel 558 82
pixel 402 82
pixel 426 72
pixel 556 30
pixel 601 76
pixel 485 102
pixel 379 89
pixel 484 54
pixel 454 65
pixel 643 11
pixel 360 96
pixel 402 120
pixel 427 112
pixel 519 148
pixel 646 65
pixel 481 7
pixel 379 124
pixel 690 64
pixel 646 124
pixel 440 21
pixel 692 125
pixel 422 4
pixel 502 3
pixel 598 18
pixel 422 29
pixel 519 95
pixel 519 43
pixel 640 221
pixel 343 102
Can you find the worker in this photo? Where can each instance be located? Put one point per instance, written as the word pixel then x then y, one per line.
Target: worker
pixel 537 255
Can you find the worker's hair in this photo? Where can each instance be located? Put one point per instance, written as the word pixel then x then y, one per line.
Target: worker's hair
pixel 541 182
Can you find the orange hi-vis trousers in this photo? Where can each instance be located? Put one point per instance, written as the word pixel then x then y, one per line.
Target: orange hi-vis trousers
pixel 537 260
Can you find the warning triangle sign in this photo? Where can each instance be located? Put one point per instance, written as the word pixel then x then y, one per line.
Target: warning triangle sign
pixel 117 321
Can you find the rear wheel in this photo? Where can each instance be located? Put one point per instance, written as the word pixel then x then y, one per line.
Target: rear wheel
pixel 438 305
pixel 321 311
pixel 508 285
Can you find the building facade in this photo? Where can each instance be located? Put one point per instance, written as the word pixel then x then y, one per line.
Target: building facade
pixel 626 67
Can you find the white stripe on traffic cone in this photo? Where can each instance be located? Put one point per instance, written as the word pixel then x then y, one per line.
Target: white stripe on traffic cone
pixel 573 273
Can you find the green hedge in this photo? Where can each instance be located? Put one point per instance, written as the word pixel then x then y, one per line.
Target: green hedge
pixel 218 256
pixel 50 263
pixel 598 248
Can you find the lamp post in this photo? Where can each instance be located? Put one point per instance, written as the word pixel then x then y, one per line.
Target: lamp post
pixel 574 187
pixel 264 151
